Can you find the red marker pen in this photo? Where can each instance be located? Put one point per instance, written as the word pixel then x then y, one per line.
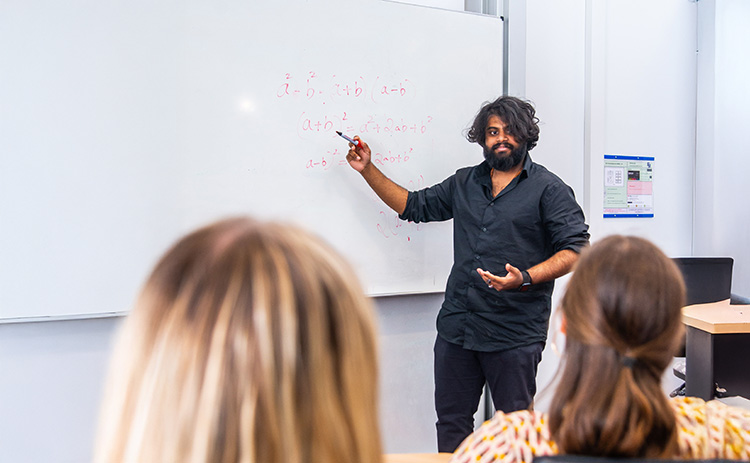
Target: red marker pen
pixel 352 141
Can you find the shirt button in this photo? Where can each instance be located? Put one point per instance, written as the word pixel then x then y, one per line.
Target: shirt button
pixel 484 229
pixel 476 257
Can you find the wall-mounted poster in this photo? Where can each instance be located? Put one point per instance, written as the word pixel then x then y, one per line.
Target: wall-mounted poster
pixel 628 186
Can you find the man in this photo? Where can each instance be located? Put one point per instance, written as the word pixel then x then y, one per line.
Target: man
pixel 517 227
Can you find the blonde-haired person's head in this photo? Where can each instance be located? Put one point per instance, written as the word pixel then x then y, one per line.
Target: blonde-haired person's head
pixel 250 342
pixel 622 311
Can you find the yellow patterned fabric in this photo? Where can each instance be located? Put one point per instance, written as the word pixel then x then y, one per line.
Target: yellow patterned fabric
pixel 705 430
pixel 712 429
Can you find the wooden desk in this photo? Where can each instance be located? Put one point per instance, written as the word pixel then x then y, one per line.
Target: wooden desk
pixel 417 458
pixel 718 344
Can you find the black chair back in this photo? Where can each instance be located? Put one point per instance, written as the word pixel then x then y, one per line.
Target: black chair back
pixel 589 459
pixel 707 279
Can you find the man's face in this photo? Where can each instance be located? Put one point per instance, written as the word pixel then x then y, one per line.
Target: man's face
pixel 501 150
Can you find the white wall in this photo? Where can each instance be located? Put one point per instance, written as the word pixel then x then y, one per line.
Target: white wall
pixel 642 101
pixel 407 335
pixel 722 221
pixel 555 83
pixel 51 377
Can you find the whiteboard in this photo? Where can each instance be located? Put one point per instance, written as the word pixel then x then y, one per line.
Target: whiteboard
pixel 125 124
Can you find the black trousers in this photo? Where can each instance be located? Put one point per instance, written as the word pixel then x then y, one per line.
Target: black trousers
pixel 460 375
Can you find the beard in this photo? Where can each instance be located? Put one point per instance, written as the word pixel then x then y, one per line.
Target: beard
pixel 505 163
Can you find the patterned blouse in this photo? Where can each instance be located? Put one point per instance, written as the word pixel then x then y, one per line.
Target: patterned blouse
pixel 705 430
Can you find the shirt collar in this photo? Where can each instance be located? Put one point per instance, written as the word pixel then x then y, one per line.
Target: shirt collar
pixel 527 162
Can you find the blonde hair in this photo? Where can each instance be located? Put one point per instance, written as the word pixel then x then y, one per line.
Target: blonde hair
pixel 622 309
pixel 250 342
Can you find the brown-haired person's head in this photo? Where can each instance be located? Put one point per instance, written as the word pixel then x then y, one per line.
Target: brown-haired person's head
pixel 250 342
pixel 622 312
pixel 518 115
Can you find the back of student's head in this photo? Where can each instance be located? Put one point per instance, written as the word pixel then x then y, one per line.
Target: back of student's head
pixel 250 342
pixel 622 311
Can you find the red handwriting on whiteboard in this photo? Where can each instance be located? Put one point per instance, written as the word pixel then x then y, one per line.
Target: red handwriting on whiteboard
pixel 389 225
pixel 338 158
pixel 305 88
pixel 330 159
pixel 383 89
pixel 311 86
pixel 309 123
pixel 390 125
pixel 354 89
pixel 326 123
pixel 391 158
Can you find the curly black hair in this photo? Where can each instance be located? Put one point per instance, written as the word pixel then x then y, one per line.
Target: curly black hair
pixel 518 116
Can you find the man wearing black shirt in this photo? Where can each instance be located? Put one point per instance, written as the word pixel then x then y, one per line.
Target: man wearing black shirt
pixel 516 228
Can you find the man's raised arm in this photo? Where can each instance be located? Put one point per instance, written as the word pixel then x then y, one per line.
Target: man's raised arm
pixel 393 195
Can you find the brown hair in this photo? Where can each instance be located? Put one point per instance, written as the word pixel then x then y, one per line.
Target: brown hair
pixel 622 310
pixel 251 342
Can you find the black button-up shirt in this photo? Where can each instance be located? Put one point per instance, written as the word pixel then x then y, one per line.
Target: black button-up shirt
pixel 534 217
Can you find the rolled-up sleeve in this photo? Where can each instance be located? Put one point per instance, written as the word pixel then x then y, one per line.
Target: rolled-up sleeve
pixel 430 204
pixel 564 219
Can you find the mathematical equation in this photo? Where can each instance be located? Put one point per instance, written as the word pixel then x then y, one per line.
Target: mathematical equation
pixel 311 87
pixel 317 121
pixel 390 226
pixel 309 124
pixel 338 158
